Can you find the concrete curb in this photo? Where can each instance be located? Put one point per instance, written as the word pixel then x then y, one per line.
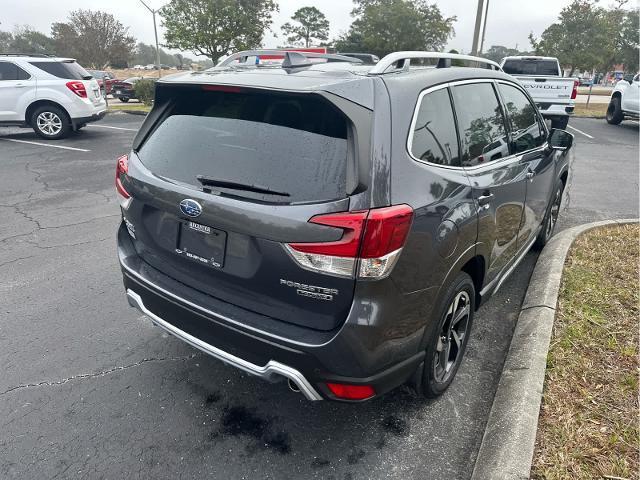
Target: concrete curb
pixel 507 447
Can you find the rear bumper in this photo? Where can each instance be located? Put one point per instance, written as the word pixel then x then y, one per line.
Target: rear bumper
pixel 88 119
pixel 348 355
pixel 270 371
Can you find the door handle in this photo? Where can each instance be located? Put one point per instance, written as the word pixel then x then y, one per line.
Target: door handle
pixel 530 174
pixel 485 200
pixel 19 85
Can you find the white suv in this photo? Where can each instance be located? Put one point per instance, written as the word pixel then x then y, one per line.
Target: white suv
pixel 52 95
pixel 625 101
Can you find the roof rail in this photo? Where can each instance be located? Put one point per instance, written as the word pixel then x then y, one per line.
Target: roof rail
pixel 401 61
pixel 292 59
pixel 39 55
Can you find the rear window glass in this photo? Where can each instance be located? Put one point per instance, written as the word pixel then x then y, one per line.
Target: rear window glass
pixel 66 70
pixel 295 144
pixel 531 67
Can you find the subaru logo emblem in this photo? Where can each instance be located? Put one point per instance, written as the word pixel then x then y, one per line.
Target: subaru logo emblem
pixel 191 208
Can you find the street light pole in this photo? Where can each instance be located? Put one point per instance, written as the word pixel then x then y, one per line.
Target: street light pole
pixel 476 32
pixel 155 32
pixel 484 27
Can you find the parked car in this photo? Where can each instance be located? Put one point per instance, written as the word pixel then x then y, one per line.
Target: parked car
pixel 542 77
pixel 335 224
pixel 105 80
pixel 124 90
pixel 625 101
pixel 52 95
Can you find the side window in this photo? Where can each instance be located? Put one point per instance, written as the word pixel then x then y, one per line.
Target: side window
pixel 434 137
pixel 480 123
pixel 10 71
pixel 525 127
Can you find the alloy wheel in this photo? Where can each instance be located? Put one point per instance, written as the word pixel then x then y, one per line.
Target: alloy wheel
pixel 452 336
pixel 49 123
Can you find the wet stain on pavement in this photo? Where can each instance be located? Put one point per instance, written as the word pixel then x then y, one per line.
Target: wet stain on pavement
pixel 243 421
pixel 396 426
pixel 319 462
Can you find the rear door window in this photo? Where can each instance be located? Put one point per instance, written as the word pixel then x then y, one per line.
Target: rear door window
pixel 434 137
pixel 481 124
pixel 295 144
pixel 526 133
pixel 66 70
pixel 531 67
pixel 11 71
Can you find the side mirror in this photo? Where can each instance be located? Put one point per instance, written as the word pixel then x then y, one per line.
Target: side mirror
pixel 560 140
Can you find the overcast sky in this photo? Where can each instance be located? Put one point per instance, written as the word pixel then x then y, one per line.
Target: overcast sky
pixel 509 21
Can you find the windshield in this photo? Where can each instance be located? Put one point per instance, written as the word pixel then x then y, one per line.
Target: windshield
pixel 286 143
pixel 531 67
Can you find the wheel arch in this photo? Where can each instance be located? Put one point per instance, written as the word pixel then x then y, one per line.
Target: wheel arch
pixel 41 103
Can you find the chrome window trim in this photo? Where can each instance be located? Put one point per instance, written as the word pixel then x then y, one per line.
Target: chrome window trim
pixel 474 168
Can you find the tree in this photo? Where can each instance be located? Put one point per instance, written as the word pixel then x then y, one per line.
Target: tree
pixel 311 24
pixel 26 40
pixel 94 38
pixel 383 26
pixel 587 37
pixel 216 27
pixel 498 52
pixel 5 41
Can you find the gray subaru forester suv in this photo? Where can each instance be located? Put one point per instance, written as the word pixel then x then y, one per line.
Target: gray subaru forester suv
pixel 331 223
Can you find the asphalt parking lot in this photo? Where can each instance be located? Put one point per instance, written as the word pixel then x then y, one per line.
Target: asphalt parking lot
pixel 90 389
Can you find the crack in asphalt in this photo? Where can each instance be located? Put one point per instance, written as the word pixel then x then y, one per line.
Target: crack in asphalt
pixel 82 376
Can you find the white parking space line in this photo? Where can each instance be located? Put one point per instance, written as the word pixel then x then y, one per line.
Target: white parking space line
pixel 114 128
pixel 580 131
pixel 45 144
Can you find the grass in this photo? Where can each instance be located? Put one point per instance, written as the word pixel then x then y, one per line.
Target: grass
pixel 138 107
pixel 588 426
pixel 596 91
pixel 593 110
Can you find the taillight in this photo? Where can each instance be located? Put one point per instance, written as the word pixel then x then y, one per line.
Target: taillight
pixel 371 243
pixel 574 93
pixel 351 392
pixel 78 88
pixel 122 168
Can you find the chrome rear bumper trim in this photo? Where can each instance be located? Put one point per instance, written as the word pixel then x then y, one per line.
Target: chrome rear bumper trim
pixel 267 372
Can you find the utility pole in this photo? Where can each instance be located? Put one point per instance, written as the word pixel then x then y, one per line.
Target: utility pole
pixel 484 28
pixel 476 32
pixel 155 32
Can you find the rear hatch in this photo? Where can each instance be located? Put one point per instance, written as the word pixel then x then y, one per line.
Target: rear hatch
pixel 223 178
pixel 81 82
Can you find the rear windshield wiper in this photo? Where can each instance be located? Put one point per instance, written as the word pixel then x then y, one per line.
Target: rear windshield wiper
pixel 212 182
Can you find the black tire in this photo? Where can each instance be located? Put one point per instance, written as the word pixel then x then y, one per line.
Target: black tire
pixel 614 112
pixel 124 99
pixel 437 373
pixel 50 122
pixel 560 123
pixel 550 218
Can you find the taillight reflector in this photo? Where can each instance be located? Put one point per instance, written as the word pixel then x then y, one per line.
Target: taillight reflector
pixel 351 392
pixel 574 93
pixel 373 239
pixel 78 88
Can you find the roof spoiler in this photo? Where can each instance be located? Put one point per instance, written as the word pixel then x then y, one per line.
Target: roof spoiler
pixel 292 59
